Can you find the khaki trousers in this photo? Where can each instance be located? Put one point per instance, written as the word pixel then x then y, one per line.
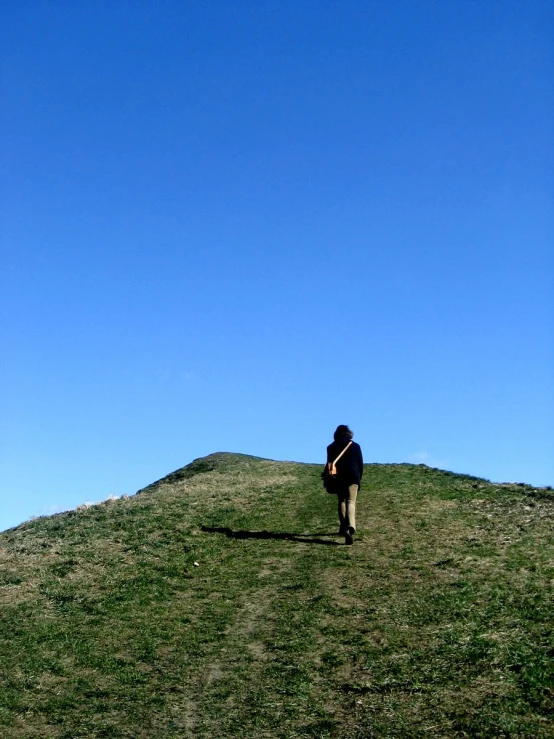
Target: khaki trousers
pixel 347 507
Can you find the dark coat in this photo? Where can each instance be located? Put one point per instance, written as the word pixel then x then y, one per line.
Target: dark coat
pixel 350 466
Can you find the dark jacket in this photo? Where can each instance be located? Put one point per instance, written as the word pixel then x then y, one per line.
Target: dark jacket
pixel 350 466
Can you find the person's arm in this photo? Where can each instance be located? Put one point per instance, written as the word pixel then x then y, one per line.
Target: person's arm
pixel 360 461
pixel 326 463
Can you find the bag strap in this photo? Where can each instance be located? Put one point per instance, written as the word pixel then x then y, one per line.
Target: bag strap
pixel 343 451
pixel 340 455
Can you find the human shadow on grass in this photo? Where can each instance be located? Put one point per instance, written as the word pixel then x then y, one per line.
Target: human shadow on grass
pixel 302 538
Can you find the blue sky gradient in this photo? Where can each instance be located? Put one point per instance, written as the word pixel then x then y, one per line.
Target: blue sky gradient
pixel 232 226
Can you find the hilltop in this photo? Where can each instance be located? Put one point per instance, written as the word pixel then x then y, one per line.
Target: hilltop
pixel 217 602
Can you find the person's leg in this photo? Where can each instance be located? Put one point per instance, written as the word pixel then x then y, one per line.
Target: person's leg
pixel 341 498
pixel 350 512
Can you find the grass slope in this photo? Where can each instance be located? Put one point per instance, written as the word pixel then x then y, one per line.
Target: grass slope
pixel 436 623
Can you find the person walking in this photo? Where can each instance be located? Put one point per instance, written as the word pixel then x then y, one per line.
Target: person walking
pixel 347 458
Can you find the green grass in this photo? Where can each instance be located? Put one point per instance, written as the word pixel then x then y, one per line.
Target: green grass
pixel 436 623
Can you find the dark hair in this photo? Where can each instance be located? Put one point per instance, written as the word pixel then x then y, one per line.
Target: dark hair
pixel 342 432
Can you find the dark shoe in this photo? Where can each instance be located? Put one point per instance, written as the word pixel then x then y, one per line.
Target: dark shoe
pixel 349 536
pixel 341 532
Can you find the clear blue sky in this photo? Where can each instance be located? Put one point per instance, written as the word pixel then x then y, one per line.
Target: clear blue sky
pixel 230 226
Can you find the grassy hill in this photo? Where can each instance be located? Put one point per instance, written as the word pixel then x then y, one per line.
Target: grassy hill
pixel 218 602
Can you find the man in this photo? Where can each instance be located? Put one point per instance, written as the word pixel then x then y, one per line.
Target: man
pixel 347 456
